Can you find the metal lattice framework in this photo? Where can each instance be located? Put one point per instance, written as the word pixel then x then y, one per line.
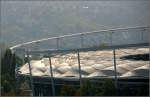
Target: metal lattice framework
pixel 87 41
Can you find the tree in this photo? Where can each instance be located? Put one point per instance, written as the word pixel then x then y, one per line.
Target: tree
pixel 108 88
pixel 67 90
pixel 8 65
pixel 88 89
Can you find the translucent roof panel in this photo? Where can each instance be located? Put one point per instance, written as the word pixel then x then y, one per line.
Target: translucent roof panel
pixel 99 66
pixel 88 69
pixel 36 72
pixel 137 73
pixel 37 64
pixel 64 69
pixel 24 69
pixel 127 66
pixel 119 69
pixel 110 72
pixel 71 74
pixel 55 73
pixel 97 74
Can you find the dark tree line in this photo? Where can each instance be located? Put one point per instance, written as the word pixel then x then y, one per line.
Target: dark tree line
pixel 107 88
pixel 8 81
pixel 88 89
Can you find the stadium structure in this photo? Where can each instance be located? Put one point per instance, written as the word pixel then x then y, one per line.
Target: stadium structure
pixel 107 54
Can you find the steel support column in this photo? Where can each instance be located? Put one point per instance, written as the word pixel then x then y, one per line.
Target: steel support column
pixel 52 79
pixel 80 77
pixel 114 57
pixel 30 71
pixel 149 54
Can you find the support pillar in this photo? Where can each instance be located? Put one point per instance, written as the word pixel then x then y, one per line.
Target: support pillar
pixel 79 68
pixel 52 79
pixel 116 80
pixel 31 77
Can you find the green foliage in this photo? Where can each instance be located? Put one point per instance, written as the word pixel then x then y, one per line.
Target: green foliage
pixel 24 87
pixel 102 45
pixel 140 90
pixel 8 64
pixel 8 71
pixel 108 88
pixel 126 90
pixel 67 90
pixel 87 89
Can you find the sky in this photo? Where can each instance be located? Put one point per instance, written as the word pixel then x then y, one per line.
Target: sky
pixel 23 21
